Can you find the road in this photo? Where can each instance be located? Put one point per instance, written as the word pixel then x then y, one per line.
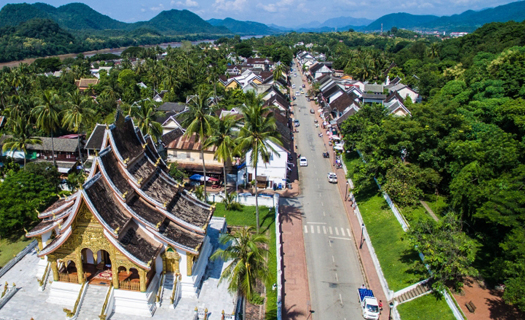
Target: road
pixel 334 272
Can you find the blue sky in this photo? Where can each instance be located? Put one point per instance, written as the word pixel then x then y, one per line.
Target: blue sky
pixel 280 12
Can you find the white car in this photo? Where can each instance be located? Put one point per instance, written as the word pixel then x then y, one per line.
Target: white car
pixel 332 177
pixel 303 162
pixel 293 86
pixel 297 93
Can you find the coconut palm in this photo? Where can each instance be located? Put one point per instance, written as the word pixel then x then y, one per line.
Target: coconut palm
pixel 21 138
pixel 248 254
pixel 222 137
pixel 47 116
pixel 145 117
pixel 199 121
pixel 258 132
pixel 77 111
pixel 278 71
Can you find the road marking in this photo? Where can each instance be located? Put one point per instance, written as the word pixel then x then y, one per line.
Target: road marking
pixel 336 277
pixel 342 232
pixel 330 243
pixel 336 231
pixel 322 205
pixel 318 229
pixel 324 214
pixel 324 229
pixel 330 230
pixel 341 299
pixel 316 222
pixel 333 259
pixel 312 227
pixel 349 234
pixel 339 238
pixel 305 229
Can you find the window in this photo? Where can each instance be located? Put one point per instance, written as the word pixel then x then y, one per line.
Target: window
pixel 174 154
pixel 188 155
pixel 271 156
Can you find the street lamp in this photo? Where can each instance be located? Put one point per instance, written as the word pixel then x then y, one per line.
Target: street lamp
pixel 346 191
pixel 362 233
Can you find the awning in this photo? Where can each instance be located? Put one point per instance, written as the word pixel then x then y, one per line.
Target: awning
pixel 338 147
pixel 198 177
pixel 336 137
pixel 262 178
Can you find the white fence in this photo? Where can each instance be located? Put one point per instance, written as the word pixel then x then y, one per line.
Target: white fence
pixel 247 200
pixel 278 240
pixel 18 257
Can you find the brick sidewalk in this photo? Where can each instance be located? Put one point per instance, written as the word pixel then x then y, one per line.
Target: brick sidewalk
pixel 297 291
pixel 369 272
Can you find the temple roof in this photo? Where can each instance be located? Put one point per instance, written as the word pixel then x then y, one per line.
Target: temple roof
pixel 137 203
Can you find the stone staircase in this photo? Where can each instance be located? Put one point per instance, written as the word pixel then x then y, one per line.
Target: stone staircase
pixel 93 301
pixel 416 292
pixel 168 288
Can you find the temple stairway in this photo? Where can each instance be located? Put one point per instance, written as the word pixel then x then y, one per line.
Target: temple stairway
pixel 168 288
pixel 93 301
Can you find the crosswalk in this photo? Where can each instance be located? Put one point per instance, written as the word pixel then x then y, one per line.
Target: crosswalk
pixel 319 228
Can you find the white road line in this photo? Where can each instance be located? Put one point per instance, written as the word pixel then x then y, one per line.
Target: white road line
pixel 312 229
pixel 322 205
pixel 349 234
pixel 339 238
pixel 342 232
pixel 324 214
pixel 341 299
pixel 330 229
pixel 316 222
pixel 336 231
pixel 318 229
pixel 333 259
pixel 305 229
pixel 324 229
pixel 336 277
pixel 330 243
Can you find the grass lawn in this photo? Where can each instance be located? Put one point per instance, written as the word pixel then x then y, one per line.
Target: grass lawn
pixel 10 248
pixel 415 213
pixel 395 254
pixel 426 308
pixel 246 217
pixel 438 205
pixel 351 160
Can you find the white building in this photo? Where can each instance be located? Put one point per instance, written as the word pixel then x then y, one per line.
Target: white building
pixel 273 172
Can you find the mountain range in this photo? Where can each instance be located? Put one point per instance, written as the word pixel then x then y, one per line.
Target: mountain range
pixel 78 17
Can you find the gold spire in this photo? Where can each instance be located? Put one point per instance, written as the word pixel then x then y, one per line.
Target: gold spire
pixel 96 153
pixel 157 163
pixel 158 224
pixel 124 195
pixel 126 160
pixel 165 204
pixel 144 146
pixel 26 231
pixel 139 181
pixel 54 217
pixel 116 230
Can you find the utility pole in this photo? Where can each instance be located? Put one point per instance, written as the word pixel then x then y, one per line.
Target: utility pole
pixel 381 29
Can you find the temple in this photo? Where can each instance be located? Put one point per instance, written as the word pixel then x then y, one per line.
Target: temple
pixel 128 224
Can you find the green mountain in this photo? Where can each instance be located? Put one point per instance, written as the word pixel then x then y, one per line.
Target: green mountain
pixel 243 27
pixel 80 17
pixel 180 22
pixel 399 20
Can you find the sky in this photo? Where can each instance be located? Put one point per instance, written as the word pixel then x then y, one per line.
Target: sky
pixel 288 13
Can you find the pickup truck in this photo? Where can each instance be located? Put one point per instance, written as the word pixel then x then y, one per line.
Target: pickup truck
pixel 368 303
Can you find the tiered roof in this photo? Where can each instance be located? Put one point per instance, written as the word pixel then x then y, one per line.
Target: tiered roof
pixel 129 192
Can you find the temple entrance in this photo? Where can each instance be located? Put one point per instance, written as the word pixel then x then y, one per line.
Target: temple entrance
pixel 129 280
pixel 99 271
pixel 172 260
pixel 67 272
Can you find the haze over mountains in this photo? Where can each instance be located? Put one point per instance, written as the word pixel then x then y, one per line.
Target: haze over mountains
pixel 77 17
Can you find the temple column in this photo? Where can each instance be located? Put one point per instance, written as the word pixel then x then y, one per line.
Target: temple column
pixel 54 268
pixel 114 273
pixel 142 276
pixel 189 260
pixel 80 267
pixel 40 245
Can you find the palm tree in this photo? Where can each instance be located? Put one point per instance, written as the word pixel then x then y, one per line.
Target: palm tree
pixel 145 117
pixel 199 121
pixel 21 138
pixel 248 255
pixel 222 137
pixel 278 71
pixel 78 110
pixel 258 131
pixel 47 112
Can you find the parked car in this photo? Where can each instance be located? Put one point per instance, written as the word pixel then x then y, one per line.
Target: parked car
pixel 303 162
pixel 297 93
pixel 296 123
pixel 293 86
pixel 326 155
pixel 312 111
pixel 332 177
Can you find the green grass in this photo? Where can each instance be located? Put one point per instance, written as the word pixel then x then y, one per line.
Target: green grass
pixel 396 256
pixel 246 217
pixel 351 160
pixel 11 247
pixel 438 205
pixel 416 213
pixel 426 308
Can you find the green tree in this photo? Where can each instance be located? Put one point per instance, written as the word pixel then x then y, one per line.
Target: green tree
pixel 145 117
pixel 21 138
pixel 258 132
pixel 47 116
pixel 249 262
pixel 222 137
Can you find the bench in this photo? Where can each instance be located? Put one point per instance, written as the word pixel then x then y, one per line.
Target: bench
pixel 470 306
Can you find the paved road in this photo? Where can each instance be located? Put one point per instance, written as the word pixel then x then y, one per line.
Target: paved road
pixel 334 272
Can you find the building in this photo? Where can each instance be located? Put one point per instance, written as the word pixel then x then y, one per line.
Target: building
pixel 83 84
pixel 128 223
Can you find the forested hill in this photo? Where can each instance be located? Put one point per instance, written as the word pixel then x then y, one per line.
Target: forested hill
pixel 80 17
pixel 244 27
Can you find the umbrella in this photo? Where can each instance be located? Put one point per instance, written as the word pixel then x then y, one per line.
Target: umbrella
pixel 212 179
pixel 198 177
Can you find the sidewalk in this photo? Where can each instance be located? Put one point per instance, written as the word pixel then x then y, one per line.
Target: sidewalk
pixel 296 290
pixel 369 271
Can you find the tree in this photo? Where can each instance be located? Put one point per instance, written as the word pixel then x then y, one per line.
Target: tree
pixel 145 117
pixel 278 71
pixel 176 173
pixel 223 138
pixel 199 121
pixel 76 113
pixel 249 264
pixel 21 138
pixel 447 249
pixel 258 132
pixel 47 116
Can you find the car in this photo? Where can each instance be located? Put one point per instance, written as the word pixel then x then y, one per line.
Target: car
pixel 293 86
pixel 332 177
pixel 297 93
pixel 296 123
pixel 312 111
pixel 303 162
pixel 304 86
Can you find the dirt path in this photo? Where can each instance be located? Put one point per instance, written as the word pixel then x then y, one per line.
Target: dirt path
pixel 430 212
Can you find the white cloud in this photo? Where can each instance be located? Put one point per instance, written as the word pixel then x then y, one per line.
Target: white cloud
pixel 158 8
pixel 143 10
pixel 186 4
pixel 268 7
pixel 235 5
